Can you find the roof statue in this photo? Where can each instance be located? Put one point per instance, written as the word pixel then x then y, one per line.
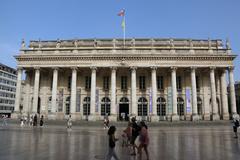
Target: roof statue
pixel 23 45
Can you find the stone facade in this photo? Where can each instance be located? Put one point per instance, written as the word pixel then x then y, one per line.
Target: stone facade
pixel 152 79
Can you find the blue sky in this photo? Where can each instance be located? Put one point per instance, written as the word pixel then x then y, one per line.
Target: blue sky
pixel 68 19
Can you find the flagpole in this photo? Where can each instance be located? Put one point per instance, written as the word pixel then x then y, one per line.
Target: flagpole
pixel 124 32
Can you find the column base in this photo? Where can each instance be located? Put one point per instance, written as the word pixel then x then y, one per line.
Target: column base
pixel 215 117
pixel 93 117
pixel 169 117
pixel 52 116
pixel 195 117
pixel 154 118
pixel 112 118
pixel 175 118
pixel 206 117
pixel 76 116
pixel 226 116
pixel 188 117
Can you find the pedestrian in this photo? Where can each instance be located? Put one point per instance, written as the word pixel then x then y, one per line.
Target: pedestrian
pixel 127 135
pixel 22 121
pixel 69 122
pixel 35 120
pixel 41 121
pixel 135 132
pixel 4 123
pixel 31 120
pixel 144 140
pixel 235 127
pixel 112 143
pixel 106 122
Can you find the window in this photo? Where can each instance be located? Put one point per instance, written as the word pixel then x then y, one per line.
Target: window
pixel 68 105
pixel 105 106
pixel 142 82
pixel 106 83
pixel 142 107
pixel 86 106
pixel 179 83
pixel 69 82
pixel 49 104
pixel 124 82
pixel 199 105
pixel 87 82
pixel 160 82
pixel 197 84
pixel 180 106
pixel 161 106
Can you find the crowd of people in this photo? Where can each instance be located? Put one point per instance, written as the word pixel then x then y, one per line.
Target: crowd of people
pixel 135 136
pixel 32 120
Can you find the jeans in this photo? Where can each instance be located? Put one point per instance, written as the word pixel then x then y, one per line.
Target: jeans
pixel 112 153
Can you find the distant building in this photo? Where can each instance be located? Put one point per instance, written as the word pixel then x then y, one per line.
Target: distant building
pixel 152 79
pixel 8 80
pixel 237 91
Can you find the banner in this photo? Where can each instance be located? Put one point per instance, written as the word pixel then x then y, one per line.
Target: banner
pixel 78 100
pixel 169 100
pixel 60 100
pixel 188 100
pixel 150 100
pixel 97 100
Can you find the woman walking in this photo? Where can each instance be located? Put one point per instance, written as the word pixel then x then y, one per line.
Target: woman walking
pixel 112 143
pixel 144 140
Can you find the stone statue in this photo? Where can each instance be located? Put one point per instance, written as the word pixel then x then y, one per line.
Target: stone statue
pixel 191 44
pixel 58 44
pixel 172 43
pixel 228 44
pixel 75 43
pixel 209 43
pixel 23 45
pixel 114 43
pixel 39 43
pixel 95 43
pixel 133 43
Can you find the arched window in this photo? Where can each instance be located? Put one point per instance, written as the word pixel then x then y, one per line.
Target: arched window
pixel 199 105
pixel 124 100
pixel 105 106
pixel 86 106
pixel 142 106
pixel 180 106
pixel 161 106
pixel 68 105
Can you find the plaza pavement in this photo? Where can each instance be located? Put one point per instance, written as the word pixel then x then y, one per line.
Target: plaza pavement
pixel 89 141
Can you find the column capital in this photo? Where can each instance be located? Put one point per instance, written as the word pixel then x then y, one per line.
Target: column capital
pixel 193 68
pixel 113 68
pixel 93 68
pixel 55 68
pixel 173 68
pixel 133 68
pixel 231 68
pixel 212 68
pixel 36 68
pixel 154 67
pixel 74 68
pixel 19 68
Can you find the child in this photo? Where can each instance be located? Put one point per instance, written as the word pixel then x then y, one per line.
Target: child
pixel 112 143
pixel 127 135
pixel 235 127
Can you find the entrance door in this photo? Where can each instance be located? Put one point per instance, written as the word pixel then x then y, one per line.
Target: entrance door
pixel 124 112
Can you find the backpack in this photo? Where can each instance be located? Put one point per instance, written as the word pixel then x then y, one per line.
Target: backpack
pixel 237 123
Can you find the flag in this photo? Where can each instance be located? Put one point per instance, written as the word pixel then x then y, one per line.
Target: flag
pixel 122 13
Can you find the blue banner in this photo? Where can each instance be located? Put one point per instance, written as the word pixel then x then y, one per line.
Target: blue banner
pixel 150 100
pixel 188 100
pixel 97 100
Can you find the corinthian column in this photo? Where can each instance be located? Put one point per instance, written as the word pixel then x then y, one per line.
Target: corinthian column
pixel 54 90
pixel 73 91
pixel 232 92
pixel 18 92
pixel 92 115
pixel 36 90
pixel 133 110
pixel 113 95
pixel 224 96
pixel 215 115
pixel 175 116
pixel 154 116
pixel 194 95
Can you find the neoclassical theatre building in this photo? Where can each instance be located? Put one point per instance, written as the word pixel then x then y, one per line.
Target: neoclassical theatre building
pixel 152 79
